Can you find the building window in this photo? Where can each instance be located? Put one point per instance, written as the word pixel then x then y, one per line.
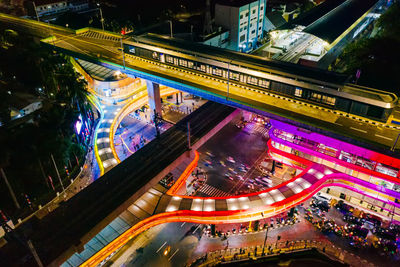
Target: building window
pixel 254 11
pixel 388 170
pixel 241 16
pixel 262 7
pixel 247 14
pixel 242 38
pixel 253 31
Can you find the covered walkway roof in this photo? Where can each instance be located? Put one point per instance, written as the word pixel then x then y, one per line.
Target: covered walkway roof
pixel 312 15
pixel 330 26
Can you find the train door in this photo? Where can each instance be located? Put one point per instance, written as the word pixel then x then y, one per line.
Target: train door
pixel 162 58
pixel 176 61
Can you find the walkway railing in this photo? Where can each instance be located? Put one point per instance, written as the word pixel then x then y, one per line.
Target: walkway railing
pixel 273 249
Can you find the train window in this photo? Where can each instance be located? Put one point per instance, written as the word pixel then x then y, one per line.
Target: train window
pixel 182 62
pixel 252 80
pixel 298 92
pixel 175 61
pixel 169 59
pixel 315 97
pixel 190 64
pixel 328 100
pixel 203 68
pixel 155 55
pixel 132 49
pixel 234 75
pixel 217 71
pixel 263 83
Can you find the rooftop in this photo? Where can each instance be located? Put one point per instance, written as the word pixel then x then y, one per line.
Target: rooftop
pixel 235 3
pixel 288 69
pixel 330 26
pixel 313 14
pixel 98 72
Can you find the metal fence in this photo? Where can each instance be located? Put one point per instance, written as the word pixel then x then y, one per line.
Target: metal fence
pixel 272 249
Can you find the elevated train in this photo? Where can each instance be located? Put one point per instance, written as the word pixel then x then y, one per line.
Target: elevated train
pixel 317 86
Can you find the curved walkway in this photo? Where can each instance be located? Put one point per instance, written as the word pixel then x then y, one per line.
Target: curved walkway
pixel 254 206
pixel 105 152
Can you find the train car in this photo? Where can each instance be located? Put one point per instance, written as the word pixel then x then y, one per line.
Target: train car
pixel 312 85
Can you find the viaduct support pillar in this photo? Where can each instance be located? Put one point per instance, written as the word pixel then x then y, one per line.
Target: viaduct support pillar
pixel 153 91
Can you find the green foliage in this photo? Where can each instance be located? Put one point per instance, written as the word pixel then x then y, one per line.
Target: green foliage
pixel 25 66
pixel 378 58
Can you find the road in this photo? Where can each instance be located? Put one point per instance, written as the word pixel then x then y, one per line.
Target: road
pixel 230 159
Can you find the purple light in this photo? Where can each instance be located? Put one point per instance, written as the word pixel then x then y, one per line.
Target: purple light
pixel 78 125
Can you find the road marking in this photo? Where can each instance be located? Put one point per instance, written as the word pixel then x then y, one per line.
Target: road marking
pixel 183 224
pixel 173 254
pixel 338 123
pixel 196 229
pixel 384 137
pixel 356 129
pixel 161 247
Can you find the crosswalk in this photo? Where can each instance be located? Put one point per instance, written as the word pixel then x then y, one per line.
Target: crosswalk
pixel 97 35
pixel 212 191
pixel 254 127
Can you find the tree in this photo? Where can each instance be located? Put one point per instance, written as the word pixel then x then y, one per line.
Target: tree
pixel 377 58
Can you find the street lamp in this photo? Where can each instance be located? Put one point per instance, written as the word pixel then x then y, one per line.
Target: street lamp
pixel 170 28
pixel 101 17
pixel 34 7
pixel 265 240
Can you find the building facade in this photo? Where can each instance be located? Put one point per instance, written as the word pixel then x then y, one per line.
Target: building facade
pixel 245 21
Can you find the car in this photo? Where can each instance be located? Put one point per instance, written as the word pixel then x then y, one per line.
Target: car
pixel 230 159
pixel 210 154
pixel 167 250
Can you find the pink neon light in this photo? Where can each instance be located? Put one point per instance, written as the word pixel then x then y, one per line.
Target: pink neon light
pixel 340 145
pixel 333 159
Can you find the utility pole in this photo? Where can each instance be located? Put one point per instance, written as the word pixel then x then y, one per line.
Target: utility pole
pixel 34 7
pixel 170 27
pixel 101 16
pixel 123 53
pixel 227 94
pixel 188 135
pixel 157 120
pixel 34 253
pixel 10 189
pixel 265 241
pixel 58 174
pixel 395 142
